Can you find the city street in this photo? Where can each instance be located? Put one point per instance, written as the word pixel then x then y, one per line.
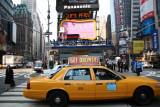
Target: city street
pixel 14 97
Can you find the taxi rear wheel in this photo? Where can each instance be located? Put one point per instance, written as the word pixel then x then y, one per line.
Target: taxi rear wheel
pixel 57 99
pixel 143 96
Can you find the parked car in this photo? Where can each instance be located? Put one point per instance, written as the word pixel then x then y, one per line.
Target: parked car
pixel 29 64
pixel 46 72
pixel 146 64
pixel 91 83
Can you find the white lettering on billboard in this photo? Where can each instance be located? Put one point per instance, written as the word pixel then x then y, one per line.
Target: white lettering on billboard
pixel 146 9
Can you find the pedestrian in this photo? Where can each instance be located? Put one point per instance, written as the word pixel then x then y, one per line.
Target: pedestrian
pixel 125 66
pixel 119 63
pixel 114 64
pixel 121 66
pixel 9 79
pixel 138 67
pixel 133 64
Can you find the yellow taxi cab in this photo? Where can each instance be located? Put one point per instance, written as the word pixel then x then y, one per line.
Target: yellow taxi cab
pixel 91 83
pixel 0 66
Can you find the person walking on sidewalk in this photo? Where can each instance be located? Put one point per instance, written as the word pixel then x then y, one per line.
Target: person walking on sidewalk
pixel 138 67
pixel 9 77
pixel 114 65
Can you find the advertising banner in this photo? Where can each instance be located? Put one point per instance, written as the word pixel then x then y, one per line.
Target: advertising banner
pixel 147 27
pixel 155 40
pixel 3 41
pixel 123 34
pixel 85 28
pixel 146 9
pixel 88 60
pixel 138 46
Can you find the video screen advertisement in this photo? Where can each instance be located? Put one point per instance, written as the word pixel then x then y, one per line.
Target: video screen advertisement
pixel 86 29
pixel 3 38
pixel 76 5
pixel 147 27
pixel 146 9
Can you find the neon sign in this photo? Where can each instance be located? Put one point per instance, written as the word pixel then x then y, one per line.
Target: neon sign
pixel 85 28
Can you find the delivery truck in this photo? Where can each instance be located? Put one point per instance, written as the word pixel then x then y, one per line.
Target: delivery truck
pixel 12 60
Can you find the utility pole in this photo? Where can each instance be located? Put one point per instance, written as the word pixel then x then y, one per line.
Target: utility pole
pixel 48 17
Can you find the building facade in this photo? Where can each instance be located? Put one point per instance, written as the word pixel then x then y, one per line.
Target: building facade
pixel 24 32
pixel 37 28
pixel 6 18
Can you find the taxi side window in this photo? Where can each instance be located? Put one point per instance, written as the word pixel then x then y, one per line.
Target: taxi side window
pixel 104 74
pixel 78 74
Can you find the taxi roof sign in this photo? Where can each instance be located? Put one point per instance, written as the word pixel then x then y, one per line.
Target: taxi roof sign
pixel 87 60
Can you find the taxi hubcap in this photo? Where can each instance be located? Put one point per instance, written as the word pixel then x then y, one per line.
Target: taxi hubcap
pixel 143 96
pixel 57 100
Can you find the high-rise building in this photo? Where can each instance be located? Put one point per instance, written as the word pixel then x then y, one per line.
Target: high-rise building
pixel 135 18
pixel 6 40
pixel 37 32
pixel 24 35
pixel 121 22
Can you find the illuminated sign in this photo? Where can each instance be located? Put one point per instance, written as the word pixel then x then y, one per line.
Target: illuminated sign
pixel 147 27
pixel 73 5
pixel 138 46
pixel 77 6
pixel 146 9
pixel 85 28
pixel 88 60
pixel 155 40
pixel 72 36
pixel 123 34
pixel 78 15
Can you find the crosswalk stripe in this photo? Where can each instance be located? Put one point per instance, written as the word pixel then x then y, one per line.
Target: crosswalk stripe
pixel 12 93
pixel 14 99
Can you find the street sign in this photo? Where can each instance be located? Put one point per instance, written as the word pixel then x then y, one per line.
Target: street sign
pixel 48 33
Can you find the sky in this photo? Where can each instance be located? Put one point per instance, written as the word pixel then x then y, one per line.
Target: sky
pixel 42 7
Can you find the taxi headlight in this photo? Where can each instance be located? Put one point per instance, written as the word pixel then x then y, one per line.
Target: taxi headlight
pixel 157 86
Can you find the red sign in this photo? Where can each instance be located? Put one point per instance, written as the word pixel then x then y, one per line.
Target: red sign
pixel 90 60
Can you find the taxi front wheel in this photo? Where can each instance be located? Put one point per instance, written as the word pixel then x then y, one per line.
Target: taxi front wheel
pixel 57 99
pixel 143 96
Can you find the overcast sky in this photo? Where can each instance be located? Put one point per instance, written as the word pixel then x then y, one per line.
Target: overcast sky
pixel 42 7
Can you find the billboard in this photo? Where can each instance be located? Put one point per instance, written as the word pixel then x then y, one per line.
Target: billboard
pixel 138 46
pixel 3 36
pixel 155 40
pixel 85 28
pixel 76 5
pixel 14 32
pixel 147 27
pixel 146 9
pixel 123 34
pixel 122 42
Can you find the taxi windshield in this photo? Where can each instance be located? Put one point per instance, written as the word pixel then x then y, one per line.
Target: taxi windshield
pixel 53 74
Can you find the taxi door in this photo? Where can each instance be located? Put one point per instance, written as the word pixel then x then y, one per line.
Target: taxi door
pixel 79 84
pixel 107 87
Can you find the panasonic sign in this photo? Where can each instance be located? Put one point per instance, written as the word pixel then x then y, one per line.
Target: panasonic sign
pixel 77 6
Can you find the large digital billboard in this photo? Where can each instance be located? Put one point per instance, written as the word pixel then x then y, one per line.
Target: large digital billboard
pixel 85 28
pixel 77 5
pixel 147 27
pixel 146 9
